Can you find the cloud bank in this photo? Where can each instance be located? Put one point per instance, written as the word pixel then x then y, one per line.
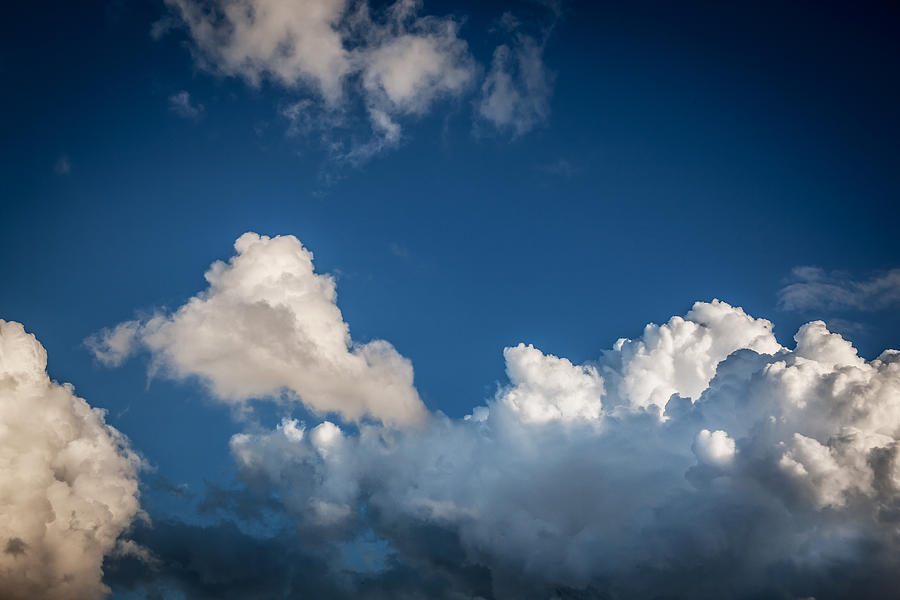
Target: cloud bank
pixel 702 459
pixel 741 469
pixel 268 326
pixel 68 481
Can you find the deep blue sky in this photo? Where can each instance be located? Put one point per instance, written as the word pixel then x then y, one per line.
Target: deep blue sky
pixel 705 152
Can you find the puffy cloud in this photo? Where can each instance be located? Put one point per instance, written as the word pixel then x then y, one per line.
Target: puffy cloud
pixel 292 43
pixel 546 388
pixel 113 346
pixel 812 288
pixel 680 357
pixel 741 469
pixel 269 326
pixel 515 95
pixel 398 64
pixel 68 481
pixel 702 459
pixel 714 447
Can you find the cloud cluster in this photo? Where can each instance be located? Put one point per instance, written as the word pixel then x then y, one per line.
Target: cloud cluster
pixel 398 62
pixel 268 326
pixel 68 481
pixel 812 288
pixel 395 62
pixel 702 460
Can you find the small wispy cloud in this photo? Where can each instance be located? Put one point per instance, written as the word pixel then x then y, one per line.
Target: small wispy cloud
pixel 515 95
pixel 812 288
pixel 399 251
pixel 181 104
pixel 63 165
pixel 560 167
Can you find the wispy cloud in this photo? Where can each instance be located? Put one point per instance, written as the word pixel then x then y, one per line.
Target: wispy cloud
pixel 812 288
pixel 396 62
pixel 63 165
pixel 182 105
pixel 515 96
pixel 341 61
pixel 560 167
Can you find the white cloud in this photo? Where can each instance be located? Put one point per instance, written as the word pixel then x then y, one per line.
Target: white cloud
pixel 547 388
pixel 293 43
pixel 767 460
pixel 113 346
pixel 680 357
pixel 714 447
pixel 268 326
pixel 398 64
pixel 812 288
pixel 181 104
pixel 68 481
pixel 515 96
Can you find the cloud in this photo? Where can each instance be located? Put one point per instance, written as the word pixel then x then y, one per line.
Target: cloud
pixel 268 326
pixel 180 103
pixel 68 482
pixel 63 165
pixel 113 346
pixel 700 460
pixel 560 167
pixel 515 96
pixel 396 63
pixel 812 288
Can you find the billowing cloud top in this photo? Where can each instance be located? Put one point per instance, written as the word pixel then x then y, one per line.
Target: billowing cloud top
pixel 68 481
pixel 710 458
pixel 269 326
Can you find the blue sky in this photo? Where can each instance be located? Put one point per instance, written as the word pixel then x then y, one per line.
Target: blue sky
pixel 683 153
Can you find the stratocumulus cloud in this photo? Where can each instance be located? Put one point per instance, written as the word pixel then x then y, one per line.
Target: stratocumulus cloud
pixel 702 459
pixel 68 481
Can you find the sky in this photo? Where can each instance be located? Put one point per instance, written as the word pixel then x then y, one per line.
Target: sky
pixel 465 300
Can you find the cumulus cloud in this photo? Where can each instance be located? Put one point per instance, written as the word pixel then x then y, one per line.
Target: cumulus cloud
pixel 701 460
pixel 515 95
pixel 398 61
pixel 681 356
pixel 181 104
pixel 812 288
pixel 68 481
pixel 268 326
